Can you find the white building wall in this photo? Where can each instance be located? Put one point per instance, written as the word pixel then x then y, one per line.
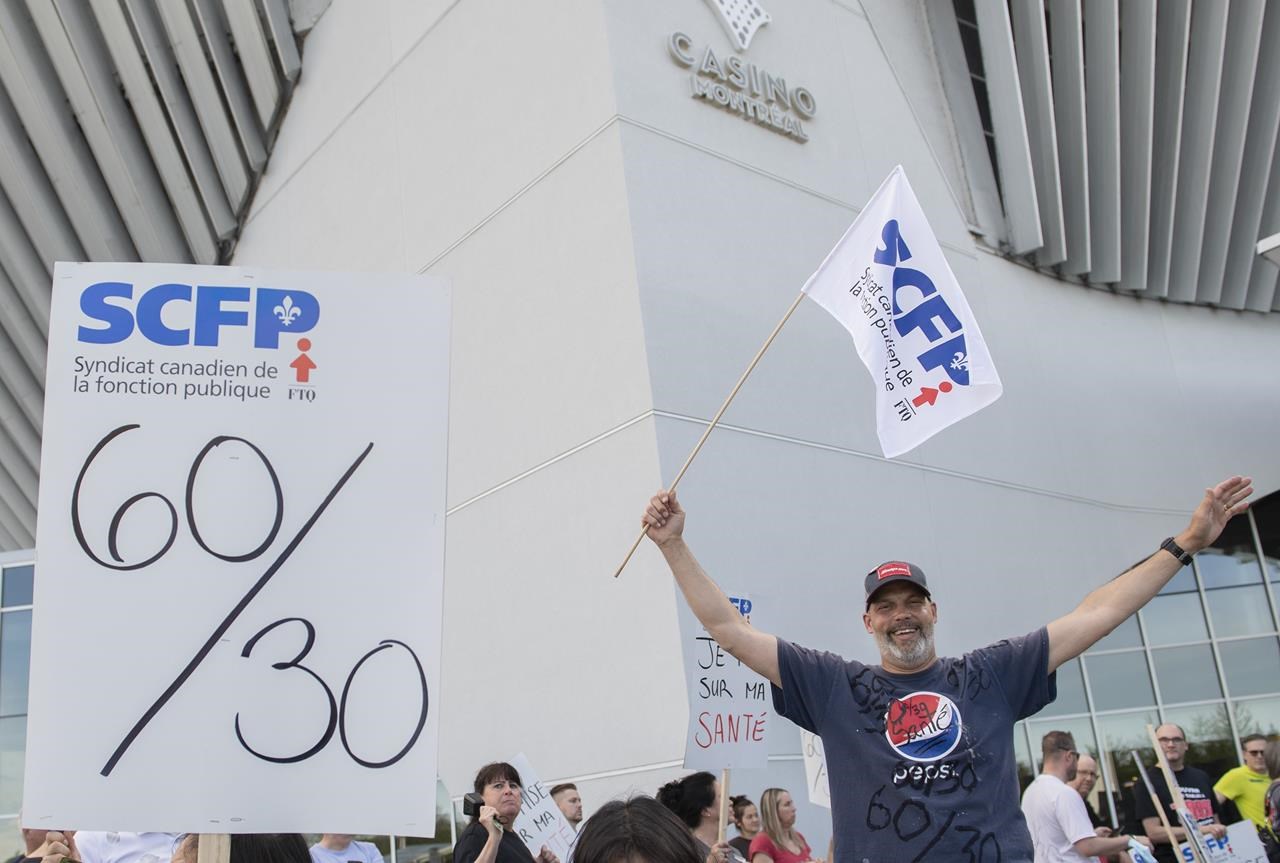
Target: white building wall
pixel 618 251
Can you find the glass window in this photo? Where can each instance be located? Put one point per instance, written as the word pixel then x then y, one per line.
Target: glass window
pixel 1186 673
pixel 13 743
pixel 1119 680
pixel 1070 692
pixel 17 585
pixel 1218 569
pixel 1022 753
pixel 1239 611
pixel 1182 582
pixel 1124 635
pixel 1211 747
pixel 1175 619
pixel 1123 733
pixel 1252 666
pixel 15 662
pixel 1080 728
pixel 11 843
pixel 1258 716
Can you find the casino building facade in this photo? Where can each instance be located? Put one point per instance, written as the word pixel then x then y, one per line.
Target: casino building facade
pixel 626 197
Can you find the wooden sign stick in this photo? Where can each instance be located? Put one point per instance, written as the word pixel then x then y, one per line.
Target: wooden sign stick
pixel 1155 799
pixel 714 422
pixel 214 848
pixel 724 802
pixel 1175 795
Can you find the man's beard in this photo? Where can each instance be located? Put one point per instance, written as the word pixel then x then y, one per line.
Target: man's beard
pixel 913 654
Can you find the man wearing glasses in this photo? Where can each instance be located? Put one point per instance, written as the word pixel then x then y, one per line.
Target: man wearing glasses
pixel 1060 828
pixel 1197 791
pixel 1246 786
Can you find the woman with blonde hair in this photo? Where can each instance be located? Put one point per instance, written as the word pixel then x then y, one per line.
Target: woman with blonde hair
pixel 778 841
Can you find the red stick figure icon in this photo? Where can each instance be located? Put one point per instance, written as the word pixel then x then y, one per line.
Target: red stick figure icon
pixel 928 395
pixel 303 364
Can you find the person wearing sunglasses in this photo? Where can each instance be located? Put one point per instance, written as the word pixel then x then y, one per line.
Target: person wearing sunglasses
pixel 1246 786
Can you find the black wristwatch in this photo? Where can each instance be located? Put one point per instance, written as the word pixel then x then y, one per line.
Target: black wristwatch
pixel 1176 550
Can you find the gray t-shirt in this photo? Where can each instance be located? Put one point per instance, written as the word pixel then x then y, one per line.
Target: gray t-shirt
pixel 921 765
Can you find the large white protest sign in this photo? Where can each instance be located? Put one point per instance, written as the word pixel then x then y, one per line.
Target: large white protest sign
pixel 889 284
pixel 729 704
pixel 1240 845
pixel 540 822
pixel 241 546
pixel 815 769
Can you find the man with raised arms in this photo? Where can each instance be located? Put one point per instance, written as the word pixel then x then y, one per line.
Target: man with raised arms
pixel 920 749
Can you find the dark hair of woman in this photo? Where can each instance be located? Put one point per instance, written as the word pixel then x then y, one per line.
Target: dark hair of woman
pixel 740 805
pixel 491 773
pixel 639 830
pixel 257 848
pixel 687 797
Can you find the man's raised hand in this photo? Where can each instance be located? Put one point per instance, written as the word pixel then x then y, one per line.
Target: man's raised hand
pixel 664 517
pixel 1219 505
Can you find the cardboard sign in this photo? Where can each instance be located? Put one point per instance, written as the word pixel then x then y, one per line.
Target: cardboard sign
pixel 1240 845
pixel 540 822
pixel 815 769
pixel 729 705
pixel 241 552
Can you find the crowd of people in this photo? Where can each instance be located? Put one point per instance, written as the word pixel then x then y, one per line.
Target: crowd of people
pixel 919 749
pixel 682 823
pixel 1065 827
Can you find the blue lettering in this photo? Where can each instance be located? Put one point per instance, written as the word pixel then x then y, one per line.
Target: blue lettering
pixel 151 314
pixel 922 318
pixel 283 312
pixel 951 356
pixel 93 302
pixel 906 277
pixel 210 316
pixel 895 248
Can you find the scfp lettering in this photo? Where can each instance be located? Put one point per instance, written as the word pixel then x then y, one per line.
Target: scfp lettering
pixel 948 348
pixel 207 308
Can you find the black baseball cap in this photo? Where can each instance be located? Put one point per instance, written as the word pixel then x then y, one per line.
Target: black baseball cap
pixel 895 570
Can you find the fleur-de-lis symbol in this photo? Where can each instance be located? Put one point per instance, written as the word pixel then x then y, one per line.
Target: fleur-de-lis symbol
pixel 287 312
pixel 959 361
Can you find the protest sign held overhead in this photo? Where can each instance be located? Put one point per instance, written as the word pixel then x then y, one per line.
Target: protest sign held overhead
pixel 889 284
pixel 729 706
pixel 540 821
pixel 241 545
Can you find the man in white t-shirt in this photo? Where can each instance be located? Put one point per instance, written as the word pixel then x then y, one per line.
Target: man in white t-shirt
pixel 1060 828
pixel 342 848
pixel 102 847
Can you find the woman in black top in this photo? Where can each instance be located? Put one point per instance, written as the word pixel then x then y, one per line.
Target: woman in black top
pixel 490 837
pixel 746 817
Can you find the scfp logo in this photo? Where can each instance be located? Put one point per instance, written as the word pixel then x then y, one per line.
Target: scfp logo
pixel 209 308
pixel 951 355
pixel 923 726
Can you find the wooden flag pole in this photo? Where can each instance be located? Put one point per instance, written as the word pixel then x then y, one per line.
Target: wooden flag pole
pixel 214 848
pixel 1155 799
pixel 1175 795
pixel 714 422
pixel 724 800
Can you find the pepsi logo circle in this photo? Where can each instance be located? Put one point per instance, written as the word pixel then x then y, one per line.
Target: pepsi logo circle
pixel 923 726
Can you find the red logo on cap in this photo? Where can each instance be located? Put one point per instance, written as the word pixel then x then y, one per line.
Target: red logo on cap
pixel 888 570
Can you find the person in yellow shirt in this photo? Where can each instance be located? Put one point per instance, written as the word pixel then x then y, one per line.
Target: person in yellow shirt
pixel 1247 786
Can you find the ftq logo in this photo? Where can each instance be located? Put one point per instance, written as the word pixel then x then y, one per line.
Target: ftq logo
pixel 923 726
pixel 173 314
